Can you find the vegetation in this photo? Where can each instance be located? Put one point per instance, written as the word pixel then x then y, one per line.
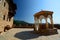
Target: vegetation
pixel 23 24
pixel 57 26
pixel 17 22
pixel 12 8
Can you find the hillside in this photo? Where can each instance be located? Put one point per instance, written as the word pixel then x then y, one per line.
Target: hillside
pixel 26 24
pixel 22 24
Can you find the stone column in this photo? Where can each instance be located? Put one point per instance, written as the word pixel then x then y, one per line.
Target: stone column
pixel 46 23
pixel 39 24
pixel 36 24
pixel 52 22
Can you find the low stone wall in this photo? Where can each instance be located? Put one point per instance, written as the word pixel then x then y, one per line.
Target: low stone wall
pixel 47 31
pixel 23 26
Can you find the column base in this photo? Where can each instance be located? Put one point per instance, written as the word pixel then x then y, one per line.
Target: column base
pixel 47 31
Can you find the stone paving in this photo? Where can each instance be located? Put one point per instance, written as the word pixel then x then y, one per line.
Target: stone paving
pixel 26 34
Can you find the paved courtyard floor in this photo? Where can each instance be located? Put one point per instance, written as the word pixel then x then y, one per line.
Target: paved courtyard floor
pixel 26 34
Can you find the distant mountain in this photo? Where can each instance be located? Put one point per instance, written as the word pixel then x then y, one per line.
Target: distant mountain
pixel 22 24
pixel 17 22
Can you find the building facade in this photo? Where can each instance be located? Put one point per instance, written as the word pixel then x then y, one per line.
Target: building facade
pixel 5 15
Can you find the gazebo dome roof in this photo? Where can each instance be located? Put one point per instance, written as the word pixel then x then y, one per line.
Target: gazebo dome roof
pixel 43 13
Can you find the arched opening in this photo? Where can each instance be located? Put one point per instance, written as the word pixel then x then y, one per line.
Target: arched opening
pixel 43 24
pixel 49 21
pixel 43 21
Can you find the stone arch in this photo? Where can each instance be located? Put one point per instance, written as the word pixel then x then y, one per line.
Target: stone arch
pixel 49 16
pixel 48 20
pixel 42 17
pixel 43 23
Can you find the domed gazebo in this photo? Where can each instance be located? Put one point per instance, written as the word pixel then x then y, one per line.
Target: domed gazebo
pixel 38 25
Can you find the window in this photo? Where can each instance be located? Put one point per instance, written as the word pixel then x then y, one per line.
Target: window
pixel 4 4
pixel 0 1
pixel 3 17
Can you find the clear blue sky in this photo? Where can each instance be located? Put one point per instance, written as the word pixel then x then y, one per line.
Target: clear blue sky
pixel 27 8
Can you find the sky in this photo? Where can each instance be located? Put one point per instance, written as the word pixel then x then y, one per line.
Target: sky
pixel 27 8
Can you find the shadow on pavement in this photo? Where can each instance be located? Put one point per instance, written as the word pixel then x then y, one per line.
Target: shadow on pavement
pixel 25 35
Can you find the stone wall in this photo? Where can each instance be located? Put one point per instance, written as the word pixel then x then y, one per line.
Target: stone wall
pixel 4 20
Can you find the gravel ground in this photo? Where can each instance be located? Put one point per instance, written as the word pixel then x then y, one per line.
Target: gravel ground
pixel 26 34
